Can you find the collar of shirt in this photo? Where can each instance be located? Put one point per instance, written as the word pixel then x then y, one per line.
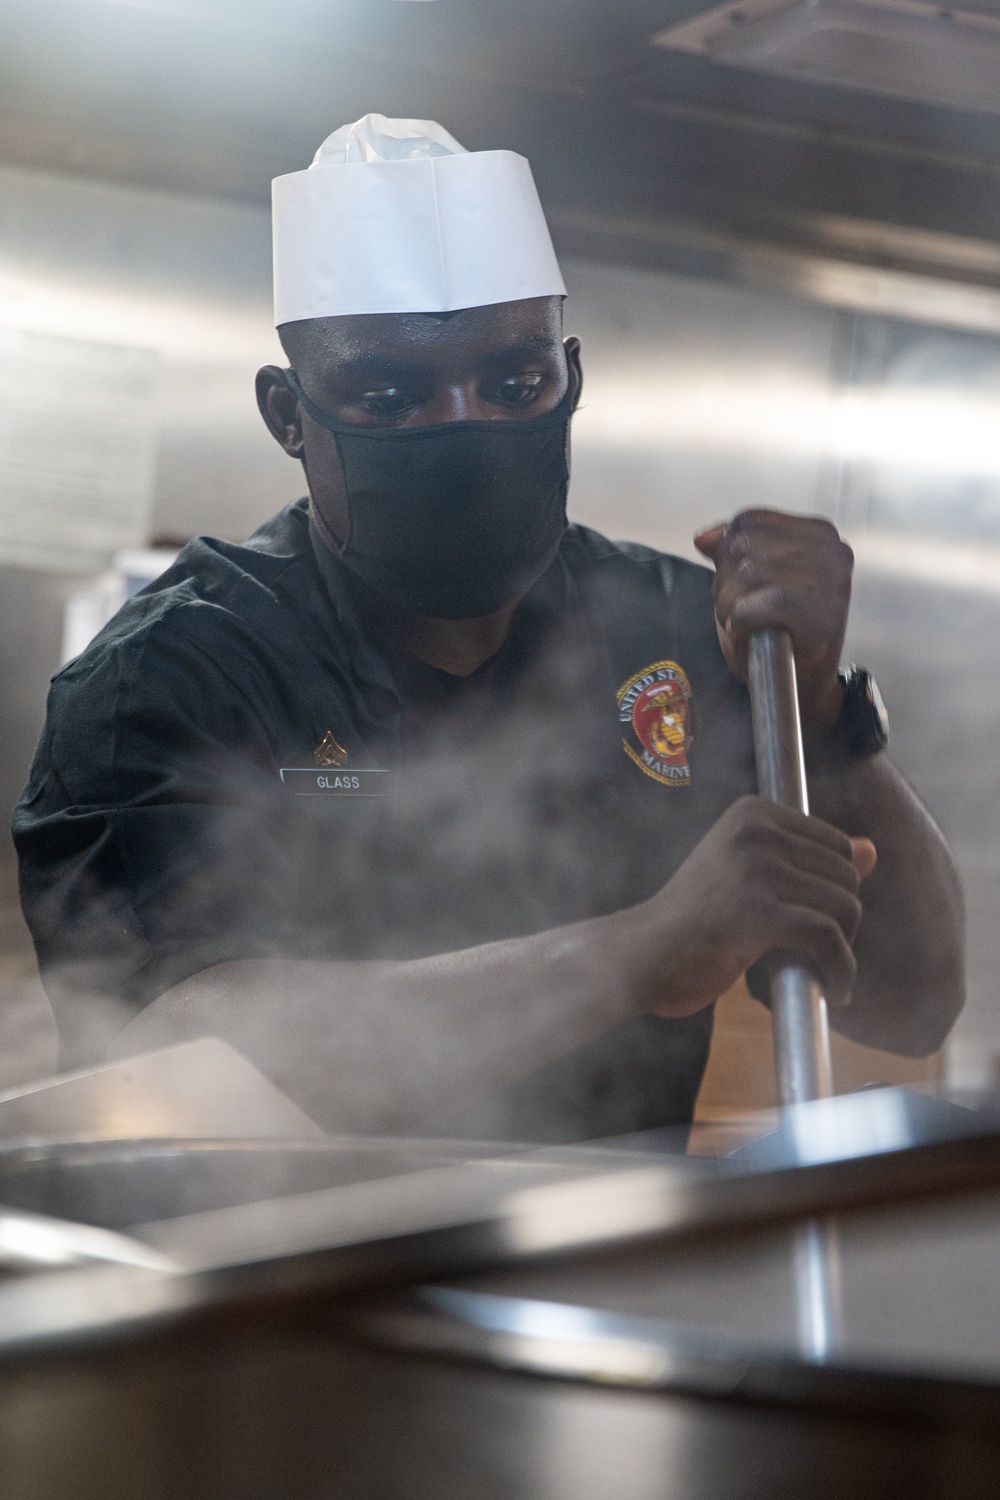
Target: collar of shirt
pixel 410 682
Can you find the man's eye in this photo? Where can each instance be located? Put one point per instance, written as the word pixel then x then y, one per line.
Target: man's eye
pixel 391 402
pixel 520 390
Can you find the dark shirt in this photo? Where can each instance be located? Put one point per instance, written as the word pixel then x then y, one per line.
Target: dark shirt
pixel 237 767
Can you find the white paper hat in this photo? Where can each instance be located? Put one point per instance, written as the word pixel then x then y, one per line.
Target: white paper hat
pixel 396 216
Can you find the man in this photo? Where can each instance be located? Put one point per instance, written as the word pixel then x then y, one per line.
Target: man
pixel 438 809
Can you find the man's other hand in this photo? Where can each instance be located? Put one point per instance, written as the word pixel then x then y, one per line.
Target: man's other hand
pixel 795 571
pixel 764 877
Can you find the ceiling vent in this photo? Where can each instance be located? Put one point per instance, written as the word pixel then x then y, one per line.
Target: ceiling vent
pixel 904 48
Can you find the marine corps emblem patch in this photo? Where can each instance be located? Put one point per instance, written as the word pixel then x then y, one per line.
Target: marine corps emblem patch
pixel 654 707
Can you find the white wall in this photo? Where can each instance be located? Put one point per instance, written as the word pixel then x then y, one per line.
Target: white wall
pixel 187 277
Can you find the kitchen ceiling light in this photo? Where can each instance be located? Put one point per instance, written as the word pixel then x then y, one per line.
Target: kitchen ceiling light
pixel 904 48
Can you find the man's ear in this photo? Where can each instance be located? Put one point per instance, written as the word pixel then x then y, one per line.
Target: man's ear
pixel 279 406
pixel 575 364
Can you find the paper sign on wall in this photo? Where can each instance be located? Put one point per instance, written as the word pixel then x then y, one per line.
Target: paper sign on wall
pixel 77 450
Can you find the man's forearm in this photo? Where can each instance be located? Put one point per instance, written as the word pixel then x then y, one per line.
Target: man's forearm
pixel 390 1047
pixel 910 945
pixel 377 1048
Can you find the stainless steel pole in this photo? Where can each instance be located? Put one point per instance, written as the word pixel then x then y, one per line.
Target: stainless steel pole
pixel 801 1036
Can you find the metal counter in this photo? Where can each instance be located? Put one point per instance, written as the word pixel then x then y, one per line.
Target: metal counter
pixel 522 1324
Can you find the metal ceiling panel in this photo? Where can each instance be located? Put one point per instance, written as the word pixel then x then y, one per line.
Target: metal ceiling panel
pixel 904 48
pixel 215 97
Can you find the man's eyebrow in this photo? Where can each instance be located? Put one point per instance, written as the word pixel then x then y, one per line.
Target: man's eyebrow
pixel 369 368
pixel 374 369
pixel 524 350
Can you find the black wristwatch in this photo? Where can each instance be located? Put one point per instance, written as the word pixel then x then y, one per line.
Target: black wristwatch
pixel 862 728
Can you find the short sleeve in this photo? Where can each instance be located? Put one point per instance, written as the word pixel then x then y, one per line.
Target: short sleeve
pixel 151 835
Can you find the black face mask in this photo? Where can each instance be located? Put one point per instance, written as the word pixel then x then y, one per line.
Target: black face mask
pixel 454 520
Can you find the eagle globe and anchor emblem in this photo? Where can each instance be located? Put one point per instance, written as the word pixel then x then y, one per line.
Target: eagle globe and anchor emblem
pixel 654 707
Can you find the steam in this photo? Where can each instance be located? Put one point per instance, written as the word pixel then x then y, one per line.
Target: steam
pixel 28 1039
pixel 502 822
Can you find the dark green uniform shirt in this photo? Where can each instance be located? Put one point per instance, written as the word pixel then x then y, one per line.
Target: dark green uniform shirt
pixel 239 767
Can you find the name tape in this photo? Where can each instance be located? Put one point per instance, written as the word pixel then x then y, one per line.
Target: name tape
pixel 308 781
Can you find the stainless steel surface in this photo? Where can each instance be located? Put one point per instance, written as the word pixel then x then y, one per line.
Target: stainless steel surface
pixel 875 46
pixel 866 1123
pixel 918 1353
pixel 630 1285
pixel 200 1088
pixel 918 1295
pixel 508 1208
pixel 413 1213
pixel 801 1040
pixel 117 1184
pixel 663 1349
pixel 296 1410
pixel 597 1337
pixel 762 264
pixel 37 1242
pixel 765 158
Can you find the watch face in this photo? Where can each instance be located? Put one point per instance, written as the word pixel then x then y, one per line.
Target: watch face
pixel 866 722
pixel 877 702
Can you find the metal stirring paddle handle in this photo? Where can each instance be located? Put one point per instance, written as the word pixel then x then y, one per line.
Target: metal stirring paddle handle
pixel 801 1037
